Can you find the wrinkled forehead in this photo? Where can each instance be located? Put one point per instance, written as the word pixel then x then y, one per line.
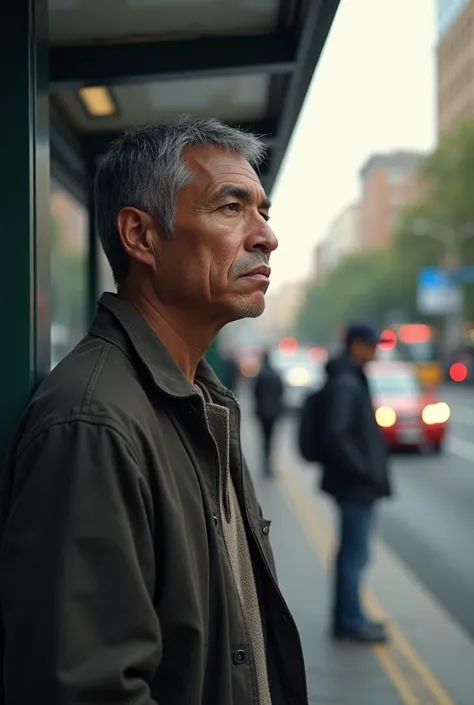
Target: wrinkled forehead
pixel 214 167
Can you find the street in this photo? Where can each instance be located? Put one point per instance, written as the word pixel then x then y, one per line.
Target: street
pixel 422 573
pixel 430 522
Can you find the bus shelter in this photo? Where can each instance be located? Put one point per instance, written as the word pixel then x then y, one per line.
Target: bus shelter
pixel 75 73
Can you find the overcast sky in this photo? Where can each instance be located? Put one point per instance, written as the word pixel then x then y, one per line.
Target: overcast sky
pixel 374 90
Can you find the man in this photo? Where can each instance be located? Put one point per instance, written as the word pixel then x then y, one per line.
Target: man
pixel 355 474
pixel 135 564
pixel 268 392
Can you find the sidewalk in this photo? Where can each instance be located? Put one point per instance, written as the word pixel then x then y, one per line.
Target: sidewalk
pixel 429 661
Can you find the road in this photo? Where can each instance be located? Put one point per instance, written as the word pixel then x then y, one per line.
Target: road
pixel 430 522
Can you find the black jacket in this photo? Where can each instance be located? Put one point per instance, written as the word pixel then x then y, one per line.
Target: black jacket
pixel 115 583
pixel 268 393
pixel 356 463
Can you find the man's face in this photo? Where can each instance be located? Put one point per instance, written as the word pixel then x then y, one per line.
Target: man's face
pixel 363 352
pixel 217 264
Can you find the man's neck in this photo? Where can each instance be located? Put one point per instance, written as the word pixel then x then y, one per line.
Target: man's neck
pixel 186 343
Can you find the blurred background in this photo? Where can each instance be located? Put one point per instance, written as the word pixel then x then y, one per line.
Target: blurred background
pixel 373 205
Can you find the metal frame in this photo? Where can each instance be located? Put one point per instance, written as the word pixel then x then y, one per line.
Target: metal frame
pixel 119 64
pixel 289 56
pixel 314 24
pixel 26 228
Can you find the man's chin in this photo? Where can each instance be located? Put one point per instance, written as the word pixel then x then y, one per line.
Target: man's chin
pixel 249 307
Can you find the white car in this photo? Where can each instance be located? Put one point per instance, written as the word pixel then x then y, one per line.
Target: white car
pixel 300 375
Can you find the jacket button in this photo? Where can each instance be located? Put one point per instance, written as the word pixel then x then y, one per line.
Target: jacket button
pixel 265 530
pixel 239 657
pixel 216 520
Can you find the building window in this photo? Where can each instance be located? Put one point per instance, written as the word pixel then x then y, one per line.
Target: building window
pixel 69 252
pixel 396 176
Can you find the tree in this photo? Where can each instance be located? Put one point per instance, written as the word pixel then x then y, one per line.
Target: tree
pixel 356 288
pixel 449 175
pixel 373 284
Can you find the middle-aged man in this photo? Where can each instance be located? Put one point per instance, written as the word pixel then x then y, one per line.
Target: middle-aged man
pixel 355 474
pixel 135 564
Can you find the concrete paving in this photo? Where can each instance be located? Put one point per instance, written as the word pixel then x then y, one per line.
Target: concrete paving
pixel 337 675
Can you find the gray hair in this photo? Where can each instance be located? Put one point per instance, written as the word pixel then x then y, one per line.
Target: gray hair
pixel 144 168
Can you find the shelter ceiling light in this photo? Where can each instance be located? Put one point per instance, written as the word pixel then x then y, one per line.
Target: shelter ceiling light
pixel 98 101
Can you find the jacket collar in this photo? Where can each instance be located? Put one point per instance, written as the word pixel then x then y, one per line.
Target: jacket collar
pixel 117 319
pixel 344 364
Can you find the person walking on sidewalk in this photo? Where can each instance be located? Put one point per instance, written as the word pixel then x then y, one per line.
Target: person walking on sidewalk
pixel 355 474
pixel 268 393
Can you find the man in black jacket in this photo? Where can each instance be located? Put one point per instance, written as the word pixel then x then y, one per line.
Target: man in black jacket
pixel 135 563
pixel 268 393
pixel 355 474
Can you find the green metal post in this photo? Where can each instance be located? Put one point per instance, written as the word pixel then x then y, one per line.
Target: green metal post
pixel 93 250
pixel 24 204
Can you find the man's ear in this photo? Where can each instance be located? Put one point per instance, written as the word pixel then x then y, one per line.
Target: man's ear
pixel 138 235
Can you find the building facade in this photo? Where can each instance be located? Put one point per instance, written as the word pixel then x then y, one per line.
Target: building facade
pixel 389 183
pixel 341 240
pixel 455 64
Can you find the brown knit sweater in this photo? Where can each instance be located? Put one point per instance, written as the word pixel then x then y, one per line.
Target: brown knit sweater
pixel 235 539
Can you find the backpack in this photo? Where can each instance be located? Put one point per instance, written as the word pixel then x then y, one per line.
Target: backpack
pixel 310 429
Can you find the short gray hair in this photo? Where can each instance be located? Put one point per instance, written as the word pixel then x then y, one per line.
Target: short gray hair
pixel 144 168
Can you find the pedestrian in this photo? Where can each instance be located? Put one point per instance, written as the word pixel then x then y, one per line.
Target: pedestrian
pixel 268 392
pixel 355 474
pixel 135 564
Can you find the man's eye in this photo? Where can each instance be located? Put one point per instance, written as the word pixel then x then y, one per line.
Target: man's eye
pixel 232 207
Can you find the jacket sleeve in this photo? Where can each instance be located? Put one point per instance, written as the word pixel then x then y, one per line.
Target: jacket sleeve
pixel 341 451
pixel 77 572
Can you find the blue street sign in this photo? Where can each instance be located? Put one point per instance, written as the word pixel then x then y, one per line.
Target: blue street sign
pixel 463 275
pixel 437 293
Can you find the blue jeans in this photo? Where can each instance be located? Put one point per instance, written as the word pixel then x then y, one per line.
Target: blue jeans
pixel 355 529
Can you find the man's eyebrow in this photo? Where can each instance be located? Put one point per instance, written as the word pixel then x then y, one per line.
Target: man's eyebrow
pixel 229 191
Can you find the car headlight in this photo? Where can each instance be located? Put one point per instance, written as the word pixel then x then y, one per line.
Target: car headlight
pixel 385 416
pixel 436 413
pixel 298 377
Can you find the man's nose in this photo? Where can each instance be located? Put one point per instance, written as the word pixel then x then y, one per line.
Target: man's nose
pixel 263 239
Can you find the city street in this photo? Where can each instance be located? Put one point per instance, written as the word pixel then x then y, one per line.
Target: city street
pixel 422 572
pixel 430 522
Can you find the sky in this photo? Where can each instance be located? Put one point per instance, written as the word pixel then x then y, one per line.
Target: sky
pixel 373 90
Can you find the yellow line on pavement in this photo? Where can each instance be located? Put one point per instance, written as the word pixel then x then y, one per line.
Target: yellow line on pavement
pixel 410 676
pixel 396 677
